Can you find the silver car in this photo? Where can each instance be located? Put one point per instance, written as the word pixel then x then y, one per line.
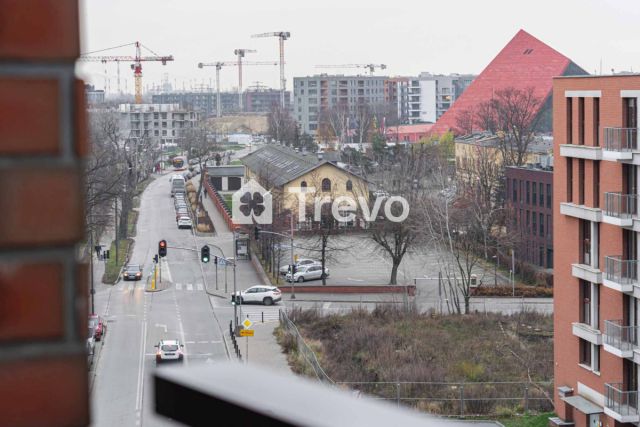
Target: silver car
pixel 301 262
pixel 308 272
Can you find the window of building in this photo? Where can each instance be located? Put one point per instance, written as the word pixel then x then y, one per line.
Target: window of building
pixel 581 121
pixel 303 186
pixel 569 179
pixel 534 199
pixel 349 185
pixel 581 181
pixel 541 256
pixel 521 193
pixel 549 258
pixel 515 190
pixel 541 188
pixel 585 241
pixel 596 184
pixel 596 122
pixel 549 226
pixel 528 189
pixel 569 120
pixel 541 224
pixel 528 221
pixel 533 223
pixel 326 184
pixel 549 198
pixel 585 353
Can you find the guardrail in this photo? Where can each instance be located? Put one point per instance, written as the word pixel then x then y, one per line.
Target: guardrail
pixel 624 338
pixel 620 205
pixel 621 271
pixel 620 139
pixel 620 401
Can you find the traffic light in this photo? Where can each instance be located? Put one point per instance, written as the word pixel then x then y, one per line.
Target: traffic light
pixel 204 254
pixel 256 232
pixel 155 258
pixel 215 260
pixel 106 254
pixel 162 248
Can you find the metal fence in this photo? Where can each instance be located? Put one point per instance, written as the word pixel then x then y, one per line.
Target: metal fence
pixel 445 398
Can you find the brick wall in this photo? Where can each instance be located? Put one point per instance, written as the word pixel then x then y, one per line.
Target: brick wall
pixel 43 289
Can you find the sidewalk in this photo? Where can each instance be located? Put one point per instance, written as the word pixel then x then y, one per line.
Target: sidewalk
pixel 263 348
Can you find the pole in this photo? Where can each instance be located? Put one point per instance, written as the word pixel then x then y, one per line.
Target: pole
pixel 160 267
pixel 225 277
pixel 93 291
pixel 116 226
pixel 218 106
pixel 495 272
pixel 513 273
pixel 235 306
pixel 293 289
pixel 217 277
pixel 282 79
pixel 240 54
pixel 246 354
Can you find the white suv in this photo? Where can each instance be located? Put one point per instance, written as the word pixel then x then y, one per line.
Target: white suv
pixel 169 350
pixel 266 295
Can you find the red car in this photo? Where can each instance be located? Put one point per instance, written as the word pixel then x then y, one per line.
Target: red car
pixel 98 325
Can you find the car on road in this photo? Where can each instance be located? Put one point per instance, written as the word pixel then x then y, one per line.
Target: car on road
pixel 185 222
pixel 301 262
pixel 132 272
pixel 380 193
pixel 97 324
pixel 262 294
pixel 308 272
pixel 169 351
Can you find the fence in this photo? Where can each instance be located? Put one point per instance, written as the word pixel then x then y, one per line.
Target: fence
pixel 444 398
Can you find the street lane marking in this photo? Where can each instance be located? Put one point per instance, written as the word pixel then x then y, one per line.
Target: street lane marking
pixel 189 287
pixel 200 287
pixel 326 305
pixel 203 342
pixel 178 286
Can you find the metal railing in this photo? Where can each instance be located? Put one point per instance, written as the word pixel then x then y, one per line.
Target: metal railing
pixel 624 338
pixel 620 205
pixel 620 401
pixel 621 271
pixel 620 139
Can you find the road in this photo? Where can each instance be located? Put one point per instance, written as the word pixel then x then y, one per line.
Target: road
pixel 137 320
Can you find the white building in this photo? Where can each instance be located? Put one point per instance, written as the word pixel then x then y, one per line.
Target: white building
pixel 162 122
pixel 430 95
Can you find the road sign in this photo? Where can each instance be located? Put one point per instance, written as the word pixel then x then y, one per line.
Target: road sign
pixel 222 261
pixel 247 323
pixel 246 332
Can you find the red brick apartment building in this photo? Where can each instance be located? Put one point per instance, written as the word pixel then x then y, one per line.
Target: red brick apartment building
pixel 597 319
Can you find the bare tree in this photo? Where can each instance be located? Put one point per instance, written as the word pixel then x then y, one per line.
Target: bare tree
pixel 335 122
pixel 465 121
pixel 282 127
pixel 363 120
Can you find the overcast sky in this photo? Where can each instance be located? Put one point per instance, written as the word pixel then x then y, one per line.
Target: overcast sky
pixel 408 36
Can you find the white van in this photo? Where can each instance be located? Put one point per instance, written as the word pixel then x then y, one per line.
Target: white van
pixel 177 185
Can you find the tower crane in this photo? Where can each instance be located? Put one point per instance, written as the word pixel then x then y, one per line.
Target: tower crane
pixel 282 36
pixel 239 53
pixel 219 66
pixel 136 62
pixel 371 67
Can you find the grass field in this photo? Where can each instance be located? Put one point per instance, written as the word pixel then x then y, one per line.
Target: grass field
pixel 541 420
pixel 113 267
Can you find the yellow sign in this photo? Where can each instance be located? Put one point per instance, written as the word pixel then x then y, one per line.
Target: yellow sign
pixel 247 323
pixel 246 332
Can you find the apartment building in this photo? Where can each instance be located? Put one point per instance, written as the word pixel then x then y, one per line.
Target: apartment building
pixel 312 95
pixel 528 202
pixel 162 122
pixel 429 96
pixel 596 288
pixel 204 102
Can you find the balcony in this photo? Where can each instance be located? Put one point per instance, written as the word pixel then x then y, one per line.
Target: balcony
pixel 620 143
pixel 587 333
pixel 620 274
pixel 581 151
pixel 620 209
pixel 621 405
pixel 586 272
pixel 581 211
pixel 619 339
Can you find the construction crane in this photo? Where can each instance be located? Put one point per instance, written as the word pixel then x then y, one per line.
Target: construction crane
pixel 219 66
pixel 136 62
pixel 282 36
pixel 239 53
pixel 371 67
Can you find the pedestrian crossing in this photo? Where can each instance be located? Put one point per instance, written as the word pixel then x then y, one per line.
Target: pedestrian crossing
pixel 188 287
pixel 257 313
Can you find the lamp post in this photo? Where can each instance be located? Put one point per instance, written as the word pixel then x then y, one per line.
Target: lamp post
pixel 495 270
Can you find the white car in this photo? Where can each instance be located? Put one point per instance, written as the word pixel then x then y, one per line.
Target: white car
pixel 266 295
pixel 169 350
pixel 308 272
pixel 301 262
pixel 185 222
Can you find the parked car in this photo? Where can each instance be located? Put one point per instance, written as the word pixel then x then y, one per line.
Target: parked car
pixel 185 222
pixel 97 324
pixel 308 272
pixel 169 350
pixel 132 272
pixel 303 261
pixel 380 193
pixel 266 295
pixel 180 213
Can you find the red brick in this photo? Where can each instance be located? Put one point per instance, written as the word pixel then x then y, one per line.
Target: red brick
pixel 41 207
pixel 32 304
pixel 29 111
pixel 51 392
pixel 39 29
pixel 81 137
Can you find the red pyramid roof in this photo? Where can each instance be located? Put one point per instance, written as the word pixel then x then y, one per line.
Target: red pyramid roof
pixel 524 62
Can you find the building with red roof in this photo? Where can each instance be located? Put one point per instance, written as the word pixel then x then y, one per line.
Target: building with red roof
pixel 408 133
pixel 523 63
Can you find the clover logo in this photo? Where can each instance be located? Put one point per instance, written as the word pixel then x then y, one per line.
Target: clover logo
pixel 251 203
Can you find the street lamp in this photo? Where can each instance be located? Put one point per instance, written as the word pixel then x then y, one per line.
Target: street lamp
pixel 495 270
